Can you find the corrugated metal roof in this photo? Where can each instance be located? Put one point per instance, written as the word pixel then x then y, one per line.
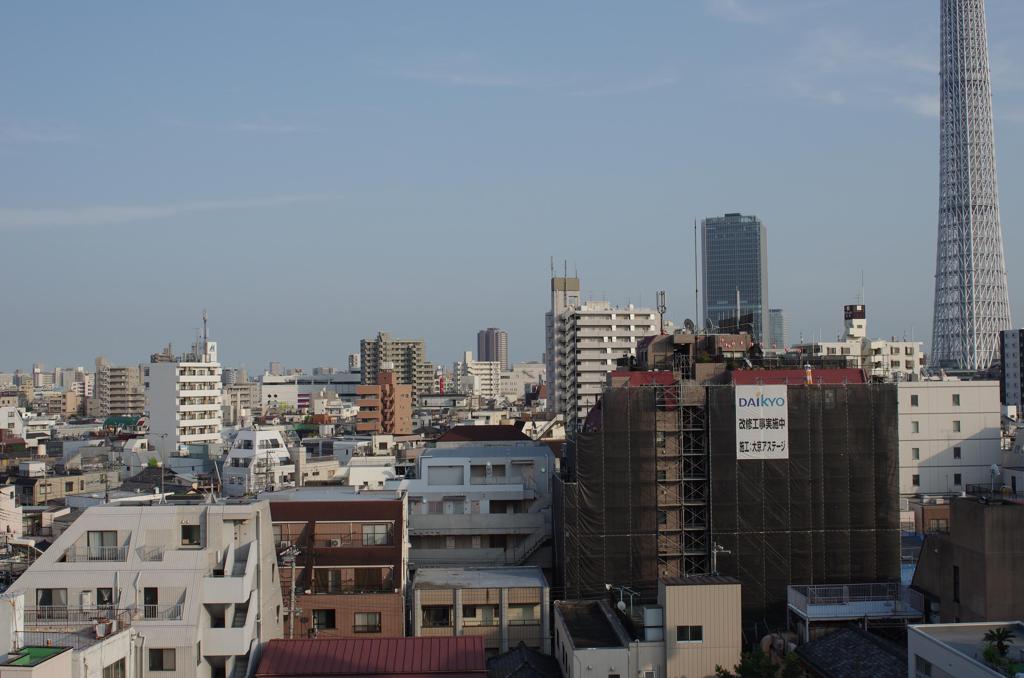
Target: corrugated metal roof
pixel 353 657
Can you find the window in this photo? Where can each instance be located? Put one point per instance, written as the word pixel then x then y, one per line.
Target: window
pixel 102 544
pixel 436 616
pixel 914 401
pixel 938 525
pixel 69 487
pixel 689 634
pixel 519 615
pixel 662 517
pixel 51 598
pixel 922 666
pixel 190 535
pixel 659 439
pixel 915 453
pixel 915 480
pixel 956 399
pixel 957 478
pixel 376 535
pixel 115 670
pixel 161 659
pixel 367 622
pixel 480 615
pixel 956 584
pixel 956 425
pixel 199 652
pixel 105 597
pixel 324 619
pixel 956 453
pixel 915 427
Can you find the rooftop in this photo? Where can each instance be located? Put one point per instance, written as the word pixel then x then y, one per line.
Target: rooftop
pixel 968 639
pixel 589 623
pixel 479 578
pixel 798 377
pixel 31 656
pixel 854 653
pixel 461 657
pixel 496 433
pixel 523 662
pixel 329 493
pixel 701 580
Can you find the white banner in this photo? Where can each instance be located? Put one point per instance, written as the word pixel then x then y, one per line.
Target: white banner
pixel 762 422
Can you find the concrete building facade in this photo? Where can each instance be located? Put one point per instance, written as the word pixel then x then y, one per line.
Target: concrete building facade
pixel 565 294
pixel 949 435
pixel 386 406
pixel 119 390
pixel 406 357
pixel 492 346
pixel 477 378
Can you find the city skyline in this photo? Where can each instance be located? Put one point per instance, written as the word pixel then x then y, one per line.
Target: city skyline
pixel 842 143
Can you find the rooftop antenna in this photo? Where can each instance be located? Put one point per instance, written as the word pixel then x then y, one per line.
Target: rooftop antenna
pixel 862 287
pixel 205 335
pixel 662 308
pixel 696 284
pixel 565 288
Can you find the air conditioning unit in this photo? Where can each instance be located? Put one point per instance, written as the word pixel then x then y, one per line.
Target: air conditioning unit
pixel 335 543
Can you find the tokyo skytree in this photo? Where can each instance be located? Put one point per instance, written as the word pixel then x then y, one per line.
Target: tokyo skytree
pixel 971 300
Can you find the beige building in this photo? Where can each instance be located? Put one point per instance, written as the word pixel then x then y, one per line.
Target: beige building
pixel 504 605
pixel 694 627
pixel 385 407
pixel 406 357
pixel 118 391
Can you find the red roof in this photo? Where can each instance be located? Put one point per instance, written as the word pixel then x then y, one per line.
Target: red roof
pixel 798 377
pixel 487 433
pixel 647 377
pixel 459 657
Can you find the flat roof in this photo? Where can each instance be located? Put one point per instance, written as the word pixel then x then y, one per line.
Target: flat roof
pixel 31 655
pixel 701 580
pixel 966 638
pixel 329 493
pixel 479 578
pixel 588 624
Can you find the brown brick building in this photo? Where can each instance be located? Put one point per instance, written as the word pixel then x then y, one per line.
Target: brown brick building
pixel 349 561
pixel 384 407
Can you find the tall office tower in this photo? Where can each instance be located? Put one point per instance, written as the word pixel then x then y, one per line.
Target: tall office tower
pixel 183 398
pixel 972 304
pixel 1011 387
pixel 406 357
pixel 735 265
pixel 777 329
pixel 565 294
pixel 492 346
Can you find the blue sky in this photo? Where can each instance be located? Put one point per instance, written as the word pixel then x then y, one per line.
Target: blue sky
pixel 311 172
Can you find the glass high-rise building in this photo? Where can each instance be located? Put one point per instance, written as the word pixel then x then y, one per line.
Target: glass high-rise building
pixel 735 263
pixel 776 329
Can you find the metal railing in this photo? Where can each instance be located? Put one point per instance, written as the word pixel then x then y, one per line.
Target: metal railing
pixel 161 612
pixel 990 491
pixel 62 615
pixel 96 553
pixel 151 554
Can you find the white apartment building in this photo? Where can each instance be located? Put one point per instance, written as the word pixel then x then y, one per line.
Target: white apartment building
pixel 187 590
pixel 477 378
pixel 184 400
pixel 119 390
pixel 949 435
pixel 1011 350
pixel 480 505
pixel 590 339
pixel 883 360
pixel 258 460
pixel 13 419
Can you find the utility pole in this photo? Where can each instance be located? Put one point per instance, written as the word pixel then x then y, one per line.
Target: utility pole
pixel 289 555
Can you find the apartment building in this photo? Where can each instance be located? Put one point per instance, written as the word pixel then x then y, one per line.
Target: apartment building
pixel 1011 352
pixel 240 399
pixel 492 346
pixel 949 435
pixel 565 294
pixel 118 391
pixel 343 553
pixel 406 357
pixel 385 406
pixel 198 583
pixel 590 339
pixel 477 378
pixel 503 605
pixel 881 359
pixel 513 383
pixel 257 460
pixel 480 504
pixel 183 397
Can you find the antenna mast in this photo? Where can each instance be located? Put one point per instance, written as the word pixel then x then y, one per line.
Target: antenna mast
pixel 662 308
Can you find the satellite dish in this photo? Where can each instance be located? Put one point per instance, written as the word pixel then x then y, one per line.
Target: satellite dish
pixel 621 605
pixel 688 324
pixel 709 324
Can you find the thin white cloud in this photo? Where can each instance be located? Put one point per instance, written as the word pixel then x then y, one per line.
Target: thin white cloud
pixel 629 87
pixel 735 11
pixel 926 105
pixel 457 78
pixel 100 215
pixel 18 133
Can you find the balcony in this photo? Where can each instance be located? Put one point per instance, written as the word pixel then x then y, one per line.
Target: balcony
pixel 77 628
pixel 457 557
pixel 237 580
pixel 233 640
pixel 148 613
pixel 475 523
pixel 96 554
pixel 855 601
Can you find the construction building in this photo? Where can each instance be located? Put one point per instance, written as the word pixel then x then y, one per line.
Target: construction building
pixel 689 466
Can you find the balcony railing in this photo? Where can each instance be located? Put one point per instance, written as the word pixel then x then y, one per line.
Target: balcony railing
pixel 96 553
pixel 854 601
pixel 161 612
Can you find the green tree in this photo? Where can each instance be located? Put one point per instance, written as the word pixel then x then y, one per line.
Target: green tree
pixel 1000 639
